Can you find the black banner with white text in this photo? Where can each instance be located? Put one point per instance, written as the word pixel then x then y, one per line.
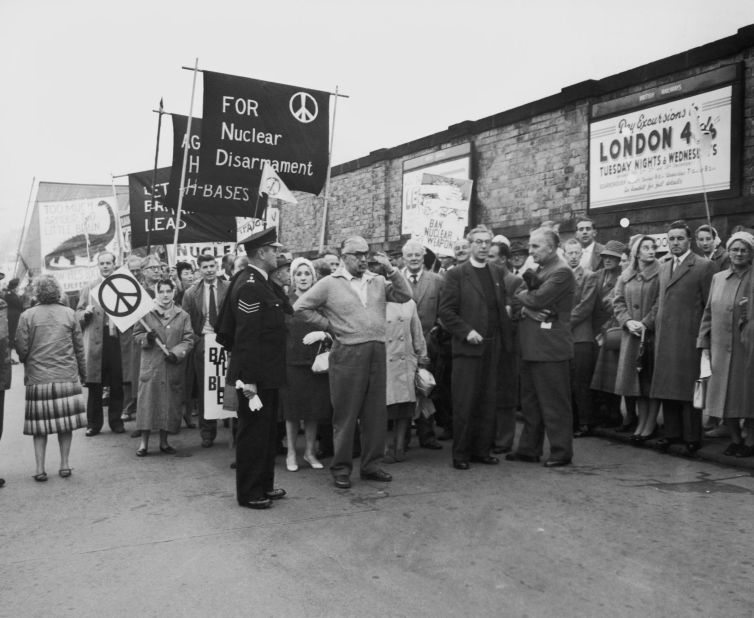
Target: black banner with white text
pixel 148 212
pixel 247 122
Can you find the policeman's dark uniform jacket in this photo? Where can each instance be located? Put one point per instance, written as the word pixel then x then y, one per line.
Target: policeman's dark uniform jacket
pixel 251 324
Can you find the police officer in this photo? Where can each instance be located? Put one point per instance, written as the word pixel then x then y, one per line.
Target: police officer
pixel 252 324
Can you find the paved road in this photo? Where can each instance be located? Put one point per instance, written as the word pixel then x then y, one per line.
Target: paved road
pixel 623 532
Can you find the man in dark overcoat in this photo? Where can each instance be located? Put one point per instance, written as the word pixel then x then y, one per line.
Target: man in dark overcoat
pixel 684 286
pixel 251 325
pixel 475 309
pixel 546 352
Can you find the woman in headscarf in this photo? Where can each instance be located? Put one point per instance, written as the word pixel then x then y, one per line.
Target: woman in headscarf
pixel 306 398
pixel 50 344
pixel 726 355
pixel 634 308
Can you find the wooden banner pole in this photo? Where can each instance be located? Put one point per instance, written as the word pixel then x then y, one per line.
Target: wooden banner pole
pixel 327 178
pixel 187 139
pixel 154 179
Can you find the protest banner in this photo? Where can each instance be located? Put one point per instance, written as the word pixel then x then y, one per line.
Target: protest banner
pixel 151 217
pixel 440 208
pixel 72 234
pixel 248 123
pixel 216 360
pixel 193 195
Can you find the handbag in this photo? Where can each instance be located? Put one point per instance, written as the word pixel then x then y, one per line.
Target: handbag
pixel 700 393
pixel 321 362
pixel 424 382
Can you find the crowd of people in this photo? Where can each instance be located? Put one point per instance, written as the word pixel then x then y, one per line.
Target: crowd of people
pixel 358 350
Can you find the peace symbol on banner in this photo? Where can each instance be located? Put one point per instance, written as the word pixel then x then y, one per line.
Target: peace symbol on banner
pixel 119 295
pixel 304 107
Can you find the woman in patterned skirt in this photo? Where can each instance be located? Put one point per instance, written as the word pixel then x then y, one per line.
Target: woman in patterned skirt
pixel 50 344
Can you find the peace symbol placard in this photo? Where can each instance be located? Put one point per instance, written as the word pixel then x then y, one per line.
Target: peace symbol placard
pixel 119 295
pixel 123 298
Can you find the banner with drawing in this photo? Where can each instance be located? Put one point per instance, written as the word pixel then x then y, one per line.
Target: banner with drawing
pixel 72 234
pixel 440 209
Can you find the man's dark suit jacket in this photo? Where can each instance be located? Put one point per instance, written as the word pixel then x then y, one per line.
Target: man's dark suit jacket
pixel 463 308
pixel 556 295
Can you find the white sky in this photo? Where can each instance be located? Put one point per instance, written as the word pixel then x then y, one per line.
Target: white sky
pixel 80 78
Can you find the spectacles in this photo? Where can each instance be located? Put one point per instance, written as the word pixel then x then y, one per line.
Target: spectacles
pixel 359 255
pixel 482 243
pixel 738 250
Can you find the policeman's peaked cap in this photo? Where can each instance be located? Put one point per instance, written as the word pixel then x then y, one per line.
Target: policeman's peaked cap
pixel 259 239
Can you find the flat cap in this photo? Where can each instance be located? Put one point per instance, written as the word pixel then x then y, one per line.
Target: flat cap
pixel 355 244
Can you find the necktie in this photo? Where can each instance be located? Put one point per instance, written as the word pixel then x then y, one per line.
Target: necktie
pixel 414 280
pixel 212 305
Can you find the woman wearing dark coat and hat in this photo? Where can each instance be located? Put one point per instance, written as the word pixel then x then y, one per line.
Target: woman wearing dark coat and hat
pixel 606 367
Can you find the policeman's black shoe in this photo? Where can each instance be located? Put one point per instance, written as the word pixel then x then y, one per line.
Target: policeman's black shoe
pixel 91 432
pixel 459 464
pixel 556 463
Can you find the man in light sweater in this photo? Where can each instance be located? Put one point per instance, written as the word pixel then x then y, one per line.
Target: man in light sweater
pixel 350 304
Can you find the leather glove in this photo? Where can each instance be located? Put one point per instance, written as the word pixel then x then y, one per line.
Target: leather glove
pixel 151 337
pixel 172 359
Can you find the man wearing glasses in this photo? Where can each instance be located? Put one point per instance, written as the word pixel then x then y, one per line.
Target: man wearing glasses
pixel 475 310
pixel 350 304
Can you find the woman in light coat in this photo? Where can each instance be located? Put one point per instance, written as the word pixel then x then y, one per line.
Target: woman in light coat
pixel 635 307
pixel 723 351
pixel 405 351
pixel 161 374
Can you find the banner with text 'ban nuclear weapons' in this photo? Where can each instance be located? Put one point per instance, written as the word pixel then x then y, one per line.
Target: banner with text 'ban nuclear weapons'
pixel 247 123
pixel 150 214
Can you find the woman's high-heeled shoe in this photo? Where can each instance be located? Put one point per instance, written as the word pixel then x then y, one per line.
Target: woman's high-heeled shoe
pixel 290 462
pixel 313 462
